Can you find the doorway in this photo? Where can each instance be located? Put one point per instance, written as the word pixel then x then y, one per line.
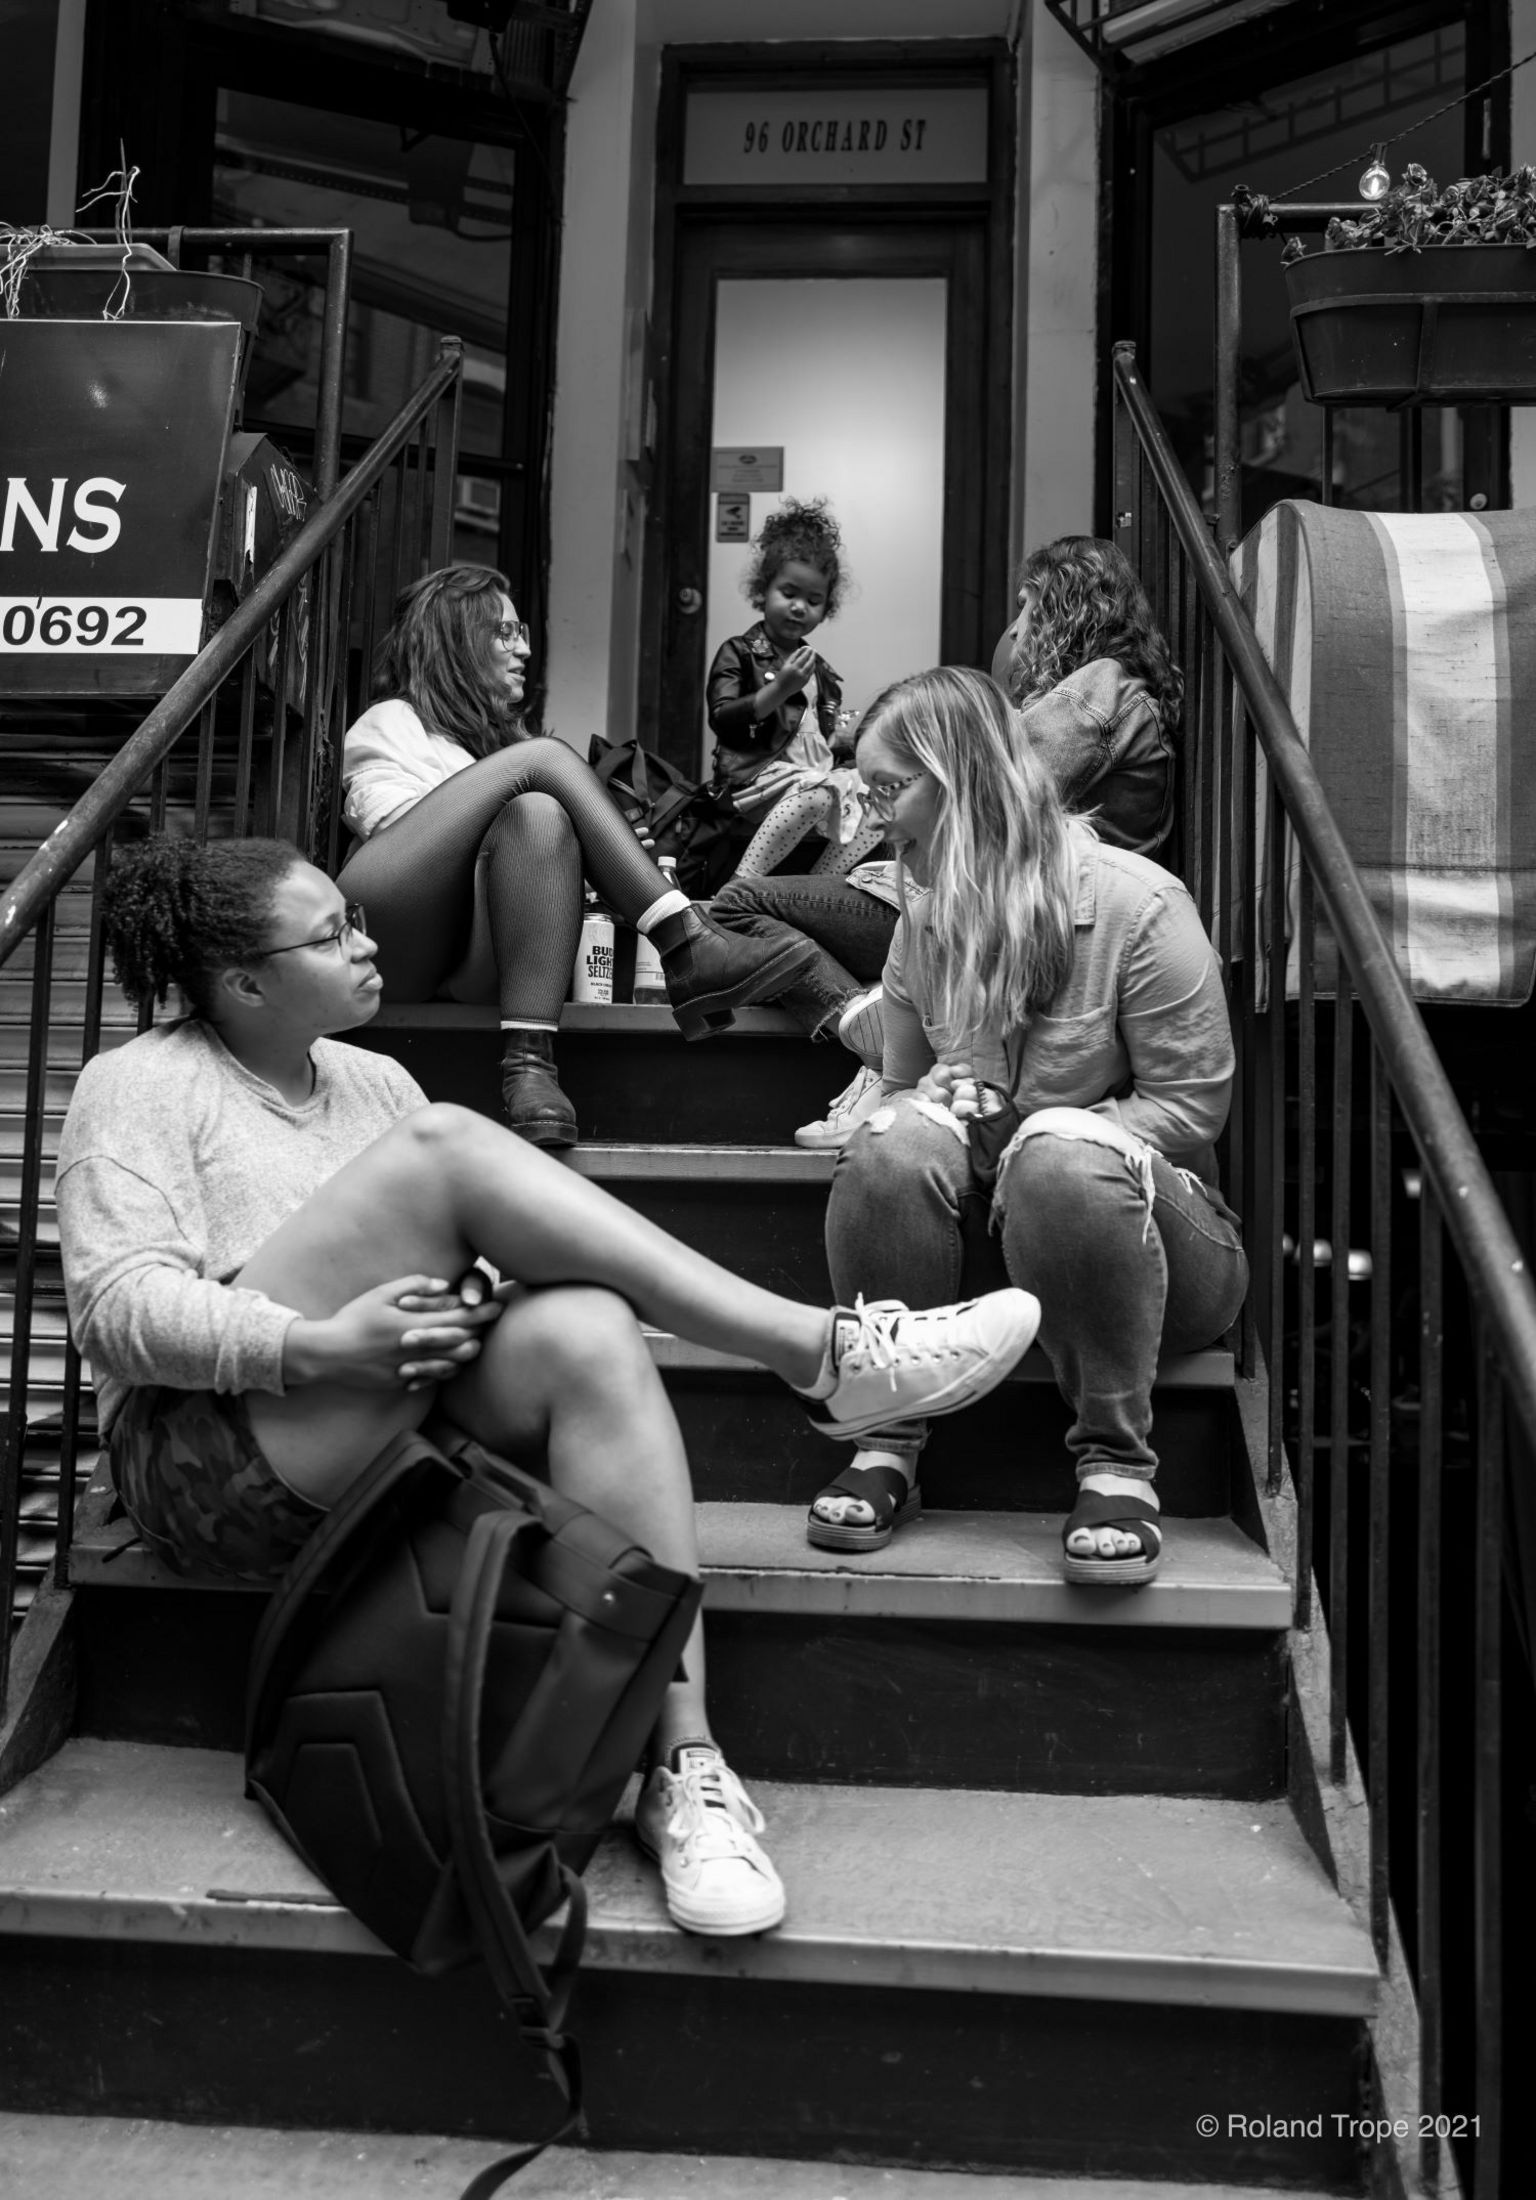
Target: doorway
pixel 859 349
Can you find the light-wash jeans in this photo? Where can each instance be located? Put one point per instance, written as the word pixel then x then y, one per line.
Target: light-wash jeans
pixel 1128 1257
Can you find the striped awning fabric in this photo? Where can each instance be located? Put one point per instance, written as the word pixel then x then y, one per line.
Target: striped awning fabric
pixel 1406 644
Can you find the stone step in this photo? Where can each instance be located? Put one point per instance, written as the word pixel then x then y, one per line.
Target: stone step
pixel 958 1655
pixel 948 1962
pixel 81 2157
pixel 749 1437
pixel 630 1074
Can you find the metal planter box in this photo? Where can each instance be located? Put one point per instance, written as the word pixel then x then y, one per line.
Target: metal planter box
pixel 1446 325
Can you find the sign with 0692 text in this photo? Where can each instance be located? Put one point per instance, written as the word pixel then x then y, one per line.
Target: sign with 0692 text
pixel 112 439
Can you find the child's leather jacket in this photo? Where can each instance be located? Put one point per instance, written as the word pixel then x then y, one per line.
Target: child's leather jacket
pixel 743 664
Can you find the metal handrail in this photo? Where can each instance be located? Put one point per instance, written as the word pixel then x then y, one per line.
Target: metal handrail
pixel 294 636
pixel 1271 872
pixel 71 841
pixel 1475 1216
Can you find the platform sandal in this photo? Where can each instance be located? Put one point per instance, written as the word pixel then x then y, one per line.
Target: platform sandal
pixel 1133 1516
pixel 892 1499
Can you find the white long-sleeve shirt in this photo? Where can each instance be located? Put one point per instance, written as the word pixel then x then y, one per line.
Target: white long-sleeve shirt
pixel 389 760
pixel 175 1165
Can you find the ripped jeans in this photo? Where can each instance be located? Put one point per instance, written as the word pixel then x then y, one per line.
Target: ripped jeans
pixel 1127 1255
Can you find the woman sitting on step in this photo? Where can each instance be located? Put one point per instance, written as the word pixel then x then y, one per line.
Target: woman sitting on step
pixel 269 1246
pixel 1058 1061
pixel 475 839
pixel 1100 699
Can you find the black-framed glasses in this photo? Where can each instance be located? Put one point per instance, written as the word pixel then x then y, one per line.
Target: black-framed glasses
pixel 511 633
pixel 354 918
pixel 883 798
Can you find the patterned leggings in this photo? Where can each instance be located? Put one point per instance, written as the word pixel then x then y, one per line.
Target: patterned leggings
pixel 787 824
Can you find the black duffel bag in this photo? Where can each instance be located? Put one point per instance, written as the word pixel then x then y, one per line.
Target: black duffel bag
pixel 453 1682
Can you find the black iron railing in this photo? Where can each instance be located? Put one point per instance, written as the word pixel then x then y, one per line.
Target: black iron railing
pixel 1384 1368
pixel 248 740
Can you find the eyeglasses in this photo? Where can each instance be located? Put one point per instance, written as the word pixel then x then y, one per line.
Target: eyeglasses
pixel 883 797
pixel 511 633
pixel 354 918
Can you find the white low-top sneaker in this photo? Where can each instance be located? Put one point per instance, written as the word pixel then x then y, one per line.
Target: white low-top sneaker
pixel 854 1105
pixel 889 1363
pixel 696 1820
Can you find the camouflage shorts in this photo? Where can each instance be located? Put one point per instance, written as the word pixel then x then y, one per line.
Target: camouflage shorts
pixel 199 1488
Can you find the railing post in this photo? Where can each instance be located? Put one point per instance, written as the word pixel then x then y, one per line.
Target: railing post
pixel 1125 455
pixel 1227 454
pixel 333 361
pixel 445 459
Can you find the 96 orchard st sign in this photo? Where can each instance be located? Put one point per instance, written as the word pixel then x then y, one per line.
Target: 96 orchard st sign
pixel 901 134
pixel 112 438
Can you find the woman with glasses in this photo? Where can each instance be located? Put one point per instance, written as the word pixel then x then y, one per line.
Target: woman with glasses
pixel 269 1243
pixel 474 839
pixel 1058 1064
pixel 1099 699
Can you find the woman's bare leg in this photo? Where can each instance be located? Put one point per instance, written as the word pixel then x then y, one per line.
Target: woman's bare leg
pixel 565 1377
pixel 442 1188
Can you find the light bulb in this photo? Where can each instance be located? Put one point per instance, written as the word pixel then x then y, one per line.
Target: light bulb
pixel 1375 183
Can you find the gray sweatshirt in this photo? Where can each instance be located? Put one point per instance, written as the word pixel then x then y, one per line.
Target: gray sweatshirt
pixel 175 1164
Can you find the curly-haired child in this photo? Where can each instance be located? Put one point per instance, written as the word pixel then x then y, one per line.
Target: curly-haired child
pixel 1099 695
pixel 773 703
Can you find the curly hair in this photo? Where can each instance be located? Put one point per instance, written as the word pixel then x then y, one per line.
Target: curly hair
pixel 797 533
pixel 1087 602
pixel 998 938
pixel 437 657
pixel 177 913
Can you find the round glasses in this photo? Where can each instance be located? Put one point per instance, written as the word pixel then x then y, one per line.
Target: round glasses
pixel 354 918
pixel 883 797
pixel 511 633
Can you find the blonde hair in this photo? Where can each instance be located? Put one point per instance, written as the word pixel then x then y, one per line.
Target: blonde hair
pixel 1003 866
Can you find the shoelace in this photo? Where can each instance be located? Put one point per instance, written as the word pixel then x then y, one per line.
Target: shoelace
pixel 707 1814
pixel 846 1101
pixel 877 1344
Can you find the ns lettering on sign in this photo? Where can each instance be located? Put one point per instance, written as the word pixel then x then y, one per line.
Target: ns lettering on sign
pixel 97 523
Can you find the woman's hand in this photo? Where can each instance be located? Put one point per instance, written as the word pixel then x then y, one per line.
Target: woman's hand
pixel 770 786
pixel 406 1334
pixel 951 1085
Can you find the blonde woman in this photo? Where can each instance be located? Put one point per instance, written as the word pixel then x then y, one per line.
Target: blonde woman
pixel 1057 1048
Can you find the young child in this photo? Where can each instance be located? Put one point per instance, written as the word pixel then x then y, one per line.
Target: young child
pixel 773 702
pixel 1097 691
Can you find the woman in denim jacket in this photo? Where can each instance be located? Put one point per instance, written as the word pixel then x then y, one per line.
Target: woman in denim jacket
pixel 1098 692
pixel 1057 1048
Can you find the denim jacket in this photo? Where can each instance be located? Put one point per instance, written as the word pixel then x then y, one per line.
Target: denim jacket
pixel 743 664
pixel 1109 753
pixel 1138 1031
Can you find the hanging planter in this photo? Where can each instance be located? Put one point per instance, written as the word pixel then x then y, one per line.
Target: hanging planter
pixel 1428 299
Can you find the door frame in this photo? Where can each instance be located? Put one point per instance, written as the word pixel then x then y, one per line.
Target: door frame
pixel 783 231
pixel 152 79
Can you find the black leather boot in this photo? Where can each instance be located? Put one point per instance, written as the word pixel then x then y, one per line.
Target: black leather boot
pixel 710 972
pixel 530 1092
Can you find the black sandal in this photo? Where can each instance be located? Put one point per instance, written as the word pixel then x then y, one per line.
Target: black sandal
pixel 893 1500
pixel 1134 1516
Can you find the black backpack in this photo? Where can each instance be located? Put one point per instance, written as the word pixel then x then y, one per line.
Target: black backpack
pixel 451 1686
pixel 694 824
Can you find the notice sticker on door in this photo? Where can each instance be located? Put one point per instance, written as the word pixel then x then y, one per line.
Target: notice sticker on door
pixel 760 468
pixel 733 517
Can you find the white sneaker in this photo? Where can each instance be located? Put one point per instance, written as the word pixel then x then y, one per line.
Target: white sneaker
pixel 698 1822
pixel 861 1026
pixel 892 1364
pixel 854 1105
